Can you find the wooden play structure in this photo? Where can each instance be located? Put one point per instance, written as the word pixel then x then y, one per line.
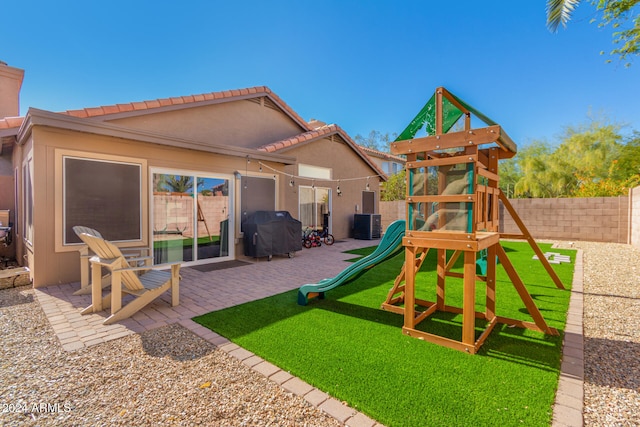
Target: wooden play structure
pixel 452 204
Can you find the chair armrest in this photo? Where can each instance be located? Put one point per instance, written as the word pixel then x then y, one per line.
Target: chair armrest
pixel 149 267
pixel 140 251
pixel 95 259
pixel 126 251
pixel 139 258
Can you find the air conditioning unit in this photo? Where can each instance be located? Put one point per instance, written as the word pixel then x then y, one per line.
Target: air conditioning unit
pixel 367 226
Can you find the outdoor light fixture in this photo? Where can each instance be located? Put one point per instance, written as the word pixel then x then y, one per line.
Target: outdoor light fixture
pixel 291 183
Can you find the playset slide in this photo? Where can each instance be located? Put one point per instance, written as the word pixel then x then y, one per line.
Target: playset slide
pixel 389 246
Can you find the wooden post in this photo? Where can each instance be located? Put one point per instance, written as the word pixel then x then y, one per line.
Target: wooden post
pixel 469 300
pixel 84 267
pixel 116 291
pixel 96 286
pixel 441 270
pixel 409 287
pixel 439 111
pixel 491 283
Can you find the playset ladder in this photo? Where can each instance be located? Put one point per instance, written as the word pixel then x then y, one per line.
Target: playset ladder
pixel 396 293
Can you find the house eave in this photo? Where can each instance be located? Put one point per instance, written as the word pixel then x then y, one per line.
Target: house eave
pixel 36 117
pixel 195 104
pixel 336 130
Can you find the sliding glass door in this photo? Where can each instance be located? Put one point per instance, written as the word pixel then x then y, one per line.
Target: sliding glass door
pixel 191 217
pixel 315 207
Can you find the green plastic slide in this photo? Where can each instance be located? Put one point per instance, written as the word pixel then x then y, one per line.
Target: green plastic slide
pixel 390 245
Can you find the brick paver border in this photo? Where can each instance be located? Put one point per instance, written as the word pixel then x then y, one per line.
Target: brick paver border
pixel 569 404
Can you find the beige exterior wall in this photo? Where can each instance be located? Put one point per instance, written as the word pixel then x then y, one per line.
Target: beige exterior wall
pixel 23 252
pixel 345 164
pixel 242 123
pixel 634 217
pixel 53 263
pixel 239 124
pixel 10 84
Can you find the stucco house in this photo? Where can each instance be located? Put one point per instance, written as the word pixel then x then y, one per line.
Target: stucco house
pixel 178 175
pixel 389 163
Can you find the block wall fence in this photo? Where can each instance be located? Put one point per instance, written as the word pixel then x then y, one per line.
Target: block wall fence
pixel 596 219
pixel 634 215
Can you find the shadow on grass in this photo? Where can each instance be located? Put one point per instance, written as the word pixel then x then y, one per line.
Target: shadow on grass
pixel 505 343
pixel 359 298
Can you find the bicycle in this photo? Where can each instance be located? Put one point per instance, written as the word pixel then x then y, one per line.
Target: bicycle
pixel 310 238
pixel 326 237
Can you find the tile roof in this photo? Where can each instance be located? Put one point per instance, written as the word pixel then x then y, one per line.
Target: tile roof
pixel 318 133
pixel 11 122
pixel 382 154
pixel 258 91
pixel 16 122
pixel 303 137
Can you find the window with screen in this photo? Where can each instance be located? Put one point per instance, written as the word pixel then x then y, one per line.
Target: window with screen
pixel 103 195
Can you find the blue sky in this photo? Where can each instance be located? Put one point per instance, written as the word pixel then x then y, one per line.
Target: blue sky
pixel 363 65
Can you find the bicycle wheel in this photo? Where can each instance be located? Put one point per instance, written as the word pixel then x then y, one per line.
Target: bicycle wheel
pixel 328 239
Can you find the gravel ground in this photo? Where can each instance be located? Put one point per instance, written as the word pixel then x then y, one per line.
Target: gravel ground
pixel 169 376
pixel 611 334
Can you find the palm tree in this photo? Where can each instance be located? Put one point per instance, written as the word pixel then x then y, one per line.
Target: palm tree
pixel 616 13
pixel 559 12
pixel 174 183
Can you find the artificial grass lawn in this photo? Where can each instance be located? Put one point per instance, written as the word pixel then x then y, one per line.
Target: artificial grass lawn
pixel 348 347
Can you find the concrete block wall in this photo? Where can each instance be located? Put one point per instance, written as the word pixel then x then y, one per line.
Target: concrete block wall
pixel 391 211
pixel 634 214
pixel 175 212
pixel 597 219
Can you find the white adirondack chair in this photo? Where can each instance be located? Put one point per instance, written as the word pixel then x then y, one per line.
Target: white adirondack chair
pixel 139 255
pixel 147 286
